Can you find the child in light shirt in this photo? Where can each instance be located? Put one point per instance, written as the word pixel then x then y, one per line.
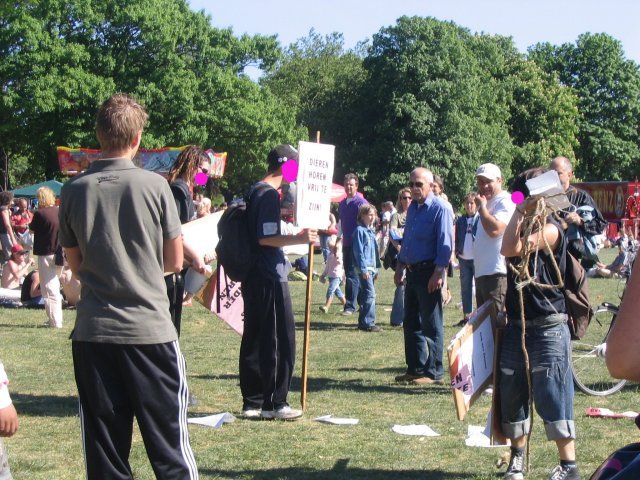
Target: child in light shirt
pixel 334 271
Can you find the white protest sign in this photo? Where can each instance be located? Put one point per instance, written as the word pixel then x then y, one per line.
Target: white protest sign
pixel 315 174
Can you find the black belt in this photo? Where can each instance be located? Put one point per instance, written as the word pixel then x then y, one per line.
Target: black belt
pixel 418 267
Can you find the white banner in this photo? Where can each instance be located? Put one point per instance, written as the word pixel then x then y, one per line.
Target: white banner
pixel 315 174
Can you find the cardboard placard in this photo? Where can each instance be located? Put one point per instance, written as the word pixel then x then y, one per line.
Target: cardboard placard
pixel 314 187
pixel 202 234
pixel 231 302
pixel 471 359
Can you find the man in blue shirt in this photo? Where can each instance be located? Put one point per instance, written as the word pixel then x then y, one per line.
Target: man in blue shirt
pixel 348 212
pixel 425 253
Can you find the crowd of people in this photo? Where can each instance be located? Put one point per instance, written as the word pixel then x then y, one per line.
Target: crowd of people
pixel 421 237
pixel 135 270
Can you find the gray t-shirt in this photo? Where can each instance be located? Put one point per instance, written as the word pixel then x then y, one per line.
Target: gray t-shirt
pixel 119 216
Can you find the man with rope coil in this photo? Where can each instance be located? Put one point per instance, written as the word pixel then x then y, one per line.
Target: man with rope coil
pixel 535 352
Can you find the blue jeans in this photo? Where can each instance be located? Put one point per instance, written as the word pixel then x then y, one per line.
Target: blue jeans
pixel 397 310
pixel 367 302
pixel 352 284
pixel 466 284
pixel 324 245
pixel 334 288
pixel 548 347
pixel 423 328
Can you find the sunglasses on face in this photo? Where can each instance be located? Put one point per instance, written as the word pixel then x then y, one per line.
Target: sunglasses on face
pixel 204 170
pixel 416 184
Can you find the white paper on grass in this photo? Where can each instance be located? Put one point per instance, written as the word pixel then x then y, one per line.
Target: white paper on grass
pixel 336 420
pixel 478 436
pixel 214 421
pixel 417 430
pixel 548 185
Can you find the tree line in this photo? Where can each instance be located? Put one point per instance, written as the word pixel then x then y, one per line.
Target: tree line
pixel 420 92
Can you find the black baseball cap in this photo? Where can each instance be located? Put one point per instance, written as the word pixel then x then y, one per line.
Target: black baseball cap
pixel 280 154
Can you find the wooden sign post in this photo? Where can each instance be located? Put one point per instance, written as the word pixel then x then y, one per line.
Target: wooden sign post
pixel 313 202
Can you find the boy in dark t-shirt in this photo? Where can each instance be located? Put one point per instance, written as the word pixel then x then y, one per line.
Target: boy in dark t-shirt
pixel 267 351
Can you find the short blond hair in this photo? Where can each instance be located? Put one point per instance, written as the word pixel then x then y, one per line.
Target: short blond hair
pixel 119 120
pixel 204 207
pixel 46 197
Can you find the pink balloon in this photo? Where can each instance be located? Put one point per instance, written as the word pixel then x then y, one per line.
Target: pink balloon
pixel 517 197
pixel 201 178
pixel 290 170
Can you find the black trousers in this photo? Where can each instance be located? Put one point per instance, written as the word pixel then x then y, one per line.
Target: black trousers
pixel 116 382
pixel 268 348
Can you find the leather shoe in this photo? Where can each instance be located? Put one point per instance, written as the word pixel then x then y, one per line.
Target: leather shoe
pixel 407 377
pixel 426 381
pixel 372 328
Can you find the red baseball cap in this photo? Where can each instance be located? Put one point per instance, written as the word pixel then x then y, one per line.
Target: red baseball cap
pixel 16 248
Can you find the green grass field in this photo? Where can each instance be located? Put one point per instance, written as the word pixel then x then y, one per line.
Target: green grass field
pixel 350 375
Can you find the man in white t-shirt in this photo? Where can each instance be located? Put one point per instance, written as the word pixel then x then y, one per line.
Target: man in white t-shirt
pixel 494 208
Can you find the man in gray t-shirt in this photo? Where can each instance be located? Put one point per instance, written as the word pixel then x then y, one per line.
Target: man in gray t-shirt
pixel 120 231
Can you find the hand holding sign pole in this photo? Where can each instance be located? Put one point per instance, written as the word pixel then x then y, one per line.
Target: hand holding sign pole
pixel 313 202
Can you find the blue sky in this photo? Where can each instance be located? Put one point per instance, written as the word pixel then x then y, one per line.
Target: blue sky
pixel 526 21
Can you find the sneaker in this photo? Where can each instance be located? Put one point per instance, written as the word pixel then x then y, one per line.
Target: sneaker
pixel 346 313
pixel 324 309
pixel 565 473
pixel 251 413
pixel 283 413
pixel 516 468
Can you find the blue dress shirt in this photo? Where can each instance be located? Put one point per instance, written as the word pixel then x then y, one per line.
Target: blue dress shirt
pixel 428 233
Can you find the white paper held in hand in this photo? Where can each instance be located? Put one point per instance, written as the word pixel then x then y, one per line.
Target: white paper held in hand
pixel 548 186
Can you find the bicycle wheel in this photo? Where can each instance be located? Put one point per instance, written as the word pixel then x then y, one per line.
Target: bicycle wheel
pixel 590 372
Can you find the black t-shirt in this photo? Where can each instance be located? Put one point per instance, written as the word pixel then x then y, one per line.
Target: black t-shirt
pixel 264 221
pixel 3 228
pixel 25 290
pixel 184 200
pixel 45 226
pixel 538 302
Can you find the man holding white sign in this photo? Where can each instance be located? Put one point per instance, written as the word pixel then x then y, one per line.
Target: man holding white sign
pixel 267 351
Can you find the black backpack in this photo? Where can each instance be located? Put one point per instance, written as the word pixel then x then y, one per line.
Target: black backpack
pixel 576 297
pixel 237 248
